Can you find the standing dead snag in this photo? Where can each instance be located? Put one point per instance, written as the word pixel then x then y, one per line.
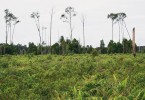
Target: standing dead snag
pixel 36 16
pixel 133 43
pixel 83 23
pixel 51 20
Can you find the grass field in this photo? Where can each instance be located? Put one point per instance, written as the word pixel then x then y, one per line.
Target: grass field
pixel 72 77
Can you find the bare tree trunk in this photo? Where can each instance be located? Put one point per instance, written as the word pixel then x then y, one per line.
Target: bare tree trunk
pixel 122 31
pixel 39 31
pixel 6 37
pixel 126 29
pixel 38 28
pixel 70 26
pixel 51 19
pixel 119 30
pixel 42 34
pixel 83 23
pixel 13 33
pixel 10 33
pixel 1 49
pixel 6 33
pixel 112 30
pixel 84 32
pixel 40 41
pixel 45 34
pixel 133 43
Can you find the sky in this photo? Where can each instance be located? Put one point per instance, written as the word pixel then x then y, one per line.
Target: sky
pixel 97 26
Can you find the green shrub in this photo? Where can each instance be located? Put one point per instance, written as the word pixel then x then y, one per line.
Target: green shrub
pixel 94 53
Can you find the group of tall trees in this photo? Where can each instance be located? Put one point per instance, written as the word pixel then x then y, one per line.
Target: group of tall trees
pixel 119 18
pixel 11 20
pixel 67 17
pixel 36 16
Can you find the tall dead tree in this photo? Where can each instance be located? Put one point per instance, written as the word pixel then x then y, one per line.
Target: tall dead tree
pixel 16 21
pixel 44 35
pixel 6 21
pixel 11 21
pixel 119 29
pixel 9 18
pixel 112 16
pixel 133 43
pixel 36 16
pixel 83 24
pixel 121 23
pixel 51 20
pixel 45 28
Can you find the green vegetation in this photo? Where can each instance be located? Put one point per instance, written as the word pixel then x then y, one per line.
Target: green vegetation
pixel 66 46
pixel 72 77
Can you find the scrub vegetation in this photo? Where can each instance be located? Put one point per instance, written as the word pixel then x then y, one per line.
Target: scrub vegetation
pixel 72 77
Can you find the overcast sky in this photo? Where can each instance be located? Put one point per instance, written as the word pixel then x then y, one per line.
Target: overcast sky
pixel 97 26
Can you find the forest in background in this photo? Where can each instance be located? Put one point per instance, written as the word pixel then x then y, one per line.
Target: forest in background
pixel 65 46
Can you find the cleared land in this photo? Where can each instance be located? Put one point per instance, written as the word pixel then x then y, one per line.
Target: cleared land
pixel 75 77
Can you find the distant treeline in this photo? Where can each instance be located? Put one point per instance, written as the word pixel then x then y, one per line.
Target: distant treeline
pixel 66 46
